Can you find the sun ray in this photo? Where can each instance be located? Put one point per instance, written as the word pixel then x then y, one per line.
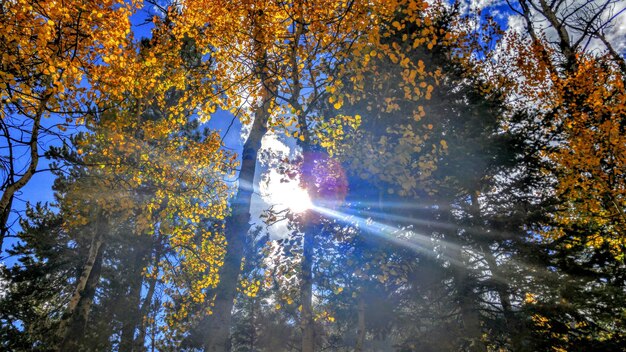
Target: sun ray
pixel 409 238
pixel 412 240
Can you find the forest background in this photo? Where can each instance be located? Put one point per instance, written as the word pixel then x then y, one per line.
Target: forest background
pixel 339 175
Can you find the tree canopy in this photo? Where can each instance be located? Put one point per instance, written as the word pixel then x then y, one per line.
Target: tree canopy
pixel 328 175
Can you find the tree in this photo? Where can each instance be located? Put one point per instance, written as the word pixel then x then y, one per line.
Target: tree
pixel 581 110
pixel 47 50
pixel 273 33
pixel 442 177
pixel 33 300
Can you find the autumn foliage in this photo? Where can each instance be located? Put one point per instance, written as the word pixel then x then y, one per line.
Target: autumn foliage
pixel 466 181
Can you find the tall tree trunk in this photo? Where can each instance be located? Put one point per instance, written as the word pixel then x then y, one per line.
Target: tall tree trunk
pixel 237 227
pixel 216 328
pixel 306 291
pixel 147 301
pixel 256 310
pixel 72 328
pixel 307 324
pixel 360 330
pixel 145 310
pixel 133 315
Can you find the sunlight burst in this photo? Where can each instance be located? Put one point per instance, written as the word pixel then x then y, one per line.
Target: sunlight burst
pixel 285 194
pixel 293 197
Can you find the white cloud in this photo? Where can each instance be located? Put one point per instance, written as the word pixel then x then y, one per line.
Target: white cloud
pixel 271 143
pixel 516 24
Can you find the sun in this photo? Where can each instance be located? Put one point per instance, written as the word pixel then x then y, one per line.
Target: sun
pixel 293 197
pixel 286 194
